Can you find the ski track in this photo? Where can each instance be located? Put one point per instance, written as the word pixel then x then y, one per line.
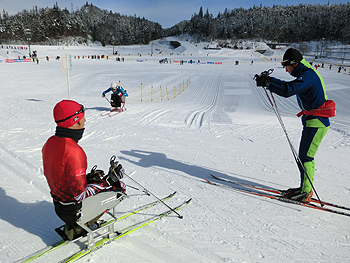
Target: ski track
pixel 209 93
pixel 204 99
pixel 155 115
pixel 19 167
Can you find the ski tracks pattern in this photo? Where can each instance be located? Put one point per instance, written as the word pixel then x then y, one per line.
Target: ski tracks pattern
pixel 14 165
pixel 207 99
pixel 196 106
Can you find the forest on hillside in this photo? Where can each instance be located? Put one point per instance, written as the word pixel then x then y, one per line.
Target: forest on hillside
pixel 278 23
pixel 89 23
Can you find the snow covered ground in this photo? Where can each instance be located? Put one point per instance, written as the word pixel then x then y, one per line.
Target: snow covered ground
pixel 221 124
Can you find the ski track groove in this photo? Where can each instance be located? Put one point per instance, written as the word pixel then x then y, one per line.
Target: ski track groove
pixel 153 116
pixel 208 100
pixel 206 96
pixel 20 168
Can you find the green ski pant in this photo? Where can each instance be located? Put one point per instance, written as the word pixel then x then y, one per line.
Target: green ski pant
pixel 310 141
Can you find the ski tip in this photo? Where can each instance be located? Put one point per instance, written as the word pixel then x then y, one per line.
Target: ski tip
pixel 187 202
pixel 214 176
pixel 208 181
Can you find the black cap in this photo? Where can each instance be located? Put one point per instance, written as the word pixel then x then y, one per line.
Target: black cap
pixel 291 57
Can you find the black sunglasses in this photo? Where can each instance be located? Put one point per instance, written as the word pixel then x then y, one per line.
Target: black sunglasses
pixel 82 110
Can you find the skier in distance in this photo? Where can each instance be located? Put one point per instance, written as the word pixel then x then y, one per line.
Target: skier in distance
pixel 117 97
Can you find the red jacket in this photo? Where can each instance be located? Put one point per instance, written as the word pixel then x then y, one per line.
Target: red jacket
pixel 65 165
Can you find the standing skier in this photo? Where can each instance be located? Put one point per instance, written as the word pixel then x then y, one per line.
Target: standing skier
pixel 311 96
pixel 65 165
pixel 117 97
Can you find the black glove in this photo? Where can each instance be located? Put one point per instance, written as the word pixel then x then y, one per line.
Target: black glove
pixel 116 172
pixel 264 79
pixel 261 81
pixel 94 176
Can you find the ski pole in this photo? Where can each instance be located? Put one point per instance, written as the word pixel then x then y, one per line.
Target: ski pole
pixel 144 189
pixel 133 187
pixel 107 99
pixel 296 157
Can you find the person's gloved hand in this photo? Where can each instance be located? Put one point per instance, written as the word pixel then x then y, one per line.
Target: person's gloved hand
pixel 94 176
pixel 261 81
pixel 118 170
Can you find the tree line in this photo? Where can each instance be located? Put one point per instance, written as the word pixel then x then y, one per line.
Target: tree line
pixel 299 23
pixel 303 22
pixel 89 23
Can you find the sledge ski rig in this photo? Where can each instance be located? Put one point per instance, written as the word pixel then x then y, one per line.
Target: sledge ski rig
pixel 108 199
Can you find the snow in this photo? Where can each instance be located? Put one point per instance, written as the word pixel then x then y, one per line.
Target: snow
pixel 220 124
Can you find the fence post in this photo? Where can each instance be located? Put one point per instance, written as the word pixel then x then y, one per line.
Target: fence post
pixel 161 93
pixel 152 93
pixel 167 94
pixel 141 92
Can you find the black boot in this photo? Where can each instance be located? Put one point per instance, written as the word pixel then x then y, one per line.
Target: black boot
pixel 290 192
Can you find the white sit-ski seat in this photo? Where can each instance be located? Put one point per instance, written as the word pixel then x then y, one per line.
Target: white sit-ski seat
pixel 96 205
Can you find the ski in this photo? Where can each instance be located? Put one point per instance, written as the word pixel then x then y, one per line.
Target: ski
pixel 275 191
pixel 278 197
pixel 105 113
pixel 119 234
pixel 113 112
pixel 110 113
pixel 64 242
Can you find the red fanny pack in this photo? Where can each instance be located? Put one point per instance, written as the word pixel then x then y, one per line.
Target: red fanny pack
pixel 326 110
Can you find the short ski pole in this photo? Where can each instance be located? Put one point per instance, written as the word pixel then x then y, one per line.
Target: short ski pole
pixel 295 155
pixel 145 190
pixel 107 99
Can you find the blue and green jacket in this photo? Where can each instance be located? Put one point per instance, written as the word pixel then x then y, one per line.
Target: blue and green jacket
pixel 309 89
pixel 117 91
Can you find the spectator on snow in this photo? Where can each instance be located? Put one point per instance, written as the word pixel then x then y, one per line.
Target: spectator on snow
pixel 311 94
pixel 65 165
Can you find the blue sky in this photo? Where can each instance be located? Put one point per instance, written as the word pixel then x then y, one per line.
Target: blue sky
pixel 165 12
